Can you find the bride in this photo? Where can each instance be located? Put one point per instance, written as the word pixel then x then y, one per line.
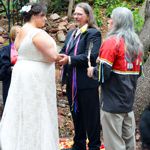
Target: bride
pixel 29 120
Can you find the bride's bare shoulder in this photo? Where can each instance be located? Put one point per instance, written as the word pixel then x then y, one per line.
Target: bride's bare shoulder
pixel 43 36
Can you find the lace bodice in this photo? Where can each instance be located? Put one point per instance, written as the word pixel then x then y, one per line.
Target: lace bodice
pixel 27 49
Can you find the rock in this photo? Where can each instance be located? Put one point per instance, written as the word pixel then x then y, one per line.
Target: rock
pixel 61 111
pixel 63 23
pixel 61 121
pixel 69 114
pixel 1 40
pixel 53 30
pixel 70 125
pixel 59 47
pixel 54 16
pixel 1 30
pixel 53 35
pixel 58 76
pixel 61 36
pixel 61 105
pixel 65 18
pixel 58 21
pixel 3 22
pixel 62 27
pixel 71 26
pixel 63 101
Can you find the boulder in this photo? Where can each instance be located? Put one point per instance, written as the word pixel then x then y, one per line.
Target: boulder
pixel 62 27
pixel 54 16
pixel 2 40
pixel 61 36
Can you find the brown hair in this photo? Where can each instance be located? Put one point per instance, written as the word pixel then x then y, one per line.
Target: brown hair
pixel 36 8
pixel 13 32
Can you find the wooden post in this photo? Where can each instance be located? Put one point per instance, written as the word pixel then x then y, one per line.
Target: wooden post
pixel 8 13
pixel 70 8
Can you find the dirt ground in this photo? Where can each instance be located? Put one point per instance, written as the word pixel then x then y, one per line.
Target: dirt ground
pixel 64 117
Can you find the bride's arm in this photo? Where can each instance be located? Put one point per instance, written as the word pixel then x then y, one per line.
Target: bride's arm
pixel 46 45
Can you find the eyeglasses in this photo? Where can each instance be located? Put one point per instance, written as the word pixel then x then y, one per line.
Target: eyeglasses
pixel 77 14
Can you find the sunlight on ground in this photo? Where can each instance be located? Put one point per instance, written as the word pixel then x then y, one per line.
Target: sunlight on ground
pixel 65 143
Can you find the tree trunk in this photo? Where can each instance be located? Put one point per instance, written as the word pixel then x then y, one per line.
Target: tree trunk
pixel 70 8
pixel 145 33
pixel 142 98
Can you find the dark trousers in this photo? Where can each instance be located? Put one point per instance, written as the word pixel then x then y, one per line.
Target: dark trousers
pixel 87 119
pixel 5 88
pixel 144 128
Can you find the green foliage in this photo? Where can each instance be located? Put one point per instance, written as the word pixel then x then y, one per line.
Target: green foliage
pixel 112 4
pixel 97 16
pixel 139 1
pixel 4 44
pixel 97 12
pixel 78 1
pixel 106 3
pixel 15 4
pixel 138 20
pixel 58 6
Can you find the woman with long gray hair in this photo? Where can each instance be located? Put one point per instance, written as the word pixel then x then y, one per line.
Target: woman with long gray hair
pixel 119 67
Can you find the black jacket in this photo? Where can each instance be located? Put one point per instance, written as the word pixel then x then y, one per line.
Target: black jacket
pixel 5 63
pixel 80 61
pixel 5 70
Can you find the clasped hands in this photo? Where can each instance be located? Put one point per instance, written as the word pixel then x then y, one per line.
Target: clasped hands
pixel 62 59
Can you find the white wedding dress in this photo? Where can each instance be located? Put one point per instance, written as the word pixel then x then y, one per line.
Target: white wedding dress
pixel 29 120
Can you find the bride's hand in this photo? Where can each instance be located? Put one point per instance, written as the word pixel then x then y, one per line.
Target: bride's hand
pixel 90 71
pixel 63 59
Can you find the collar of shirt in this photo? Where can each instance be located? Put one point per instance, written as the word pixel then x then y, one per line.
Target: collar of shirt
pixel 81 30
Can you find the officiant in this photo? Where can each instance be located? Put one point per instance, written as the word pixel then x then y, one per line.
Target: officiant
pixel 80 50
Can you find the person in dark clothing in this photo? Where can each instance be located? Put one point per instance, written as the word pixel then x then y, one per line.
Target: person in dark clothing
pixel 120 62
pixel 80 49
pixel 145 128
pixel 8 58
